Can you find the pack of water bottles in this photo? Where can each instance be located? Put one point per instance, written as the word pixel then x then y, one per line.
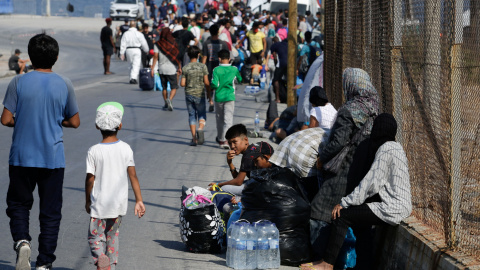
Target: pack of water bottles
pixel 251 90
pixel 253 245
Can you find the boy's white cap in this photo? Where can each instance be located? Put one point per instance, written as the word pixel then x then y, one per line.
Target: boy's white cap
pixel 109 116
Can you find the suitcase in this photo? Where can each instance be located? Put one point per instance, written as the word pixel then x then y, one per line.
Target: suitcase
pixel 146 81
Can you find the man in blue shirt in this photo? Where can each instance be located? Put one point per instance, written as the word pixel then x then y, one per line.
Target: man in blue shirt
pixel 37 105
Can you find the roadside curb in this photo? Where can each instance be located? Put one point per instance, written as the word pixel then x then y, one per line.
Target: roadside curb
pixel 9 73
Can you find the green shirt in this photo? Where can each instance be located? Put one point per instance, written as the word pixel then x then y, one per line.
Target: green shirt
pixel 194 73
pixel 223 82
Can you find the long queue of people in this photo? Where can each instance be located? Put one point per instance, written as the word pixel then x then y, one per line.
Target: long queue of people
pixel 210 51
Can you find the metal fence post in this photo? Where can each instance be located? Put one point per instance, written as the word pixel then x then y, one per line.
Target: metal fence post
pixel 397 68
pixel 455 185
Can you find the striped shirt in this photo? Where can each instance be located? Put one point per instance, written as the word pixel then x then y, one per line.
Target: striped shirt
pixel 388 176
pixel 299 151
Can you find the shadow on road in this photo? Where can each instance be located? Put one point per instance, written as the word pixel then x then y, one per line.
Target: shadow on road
pixel 4 266
pixel 157 205
pixel 168 223
pixel 170 244
pixel 158 107
pixel 164 189
pixel 166 141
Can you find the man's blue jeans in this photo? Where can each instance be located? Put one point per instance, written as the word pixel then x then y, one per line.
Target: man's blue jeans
pixel 196 109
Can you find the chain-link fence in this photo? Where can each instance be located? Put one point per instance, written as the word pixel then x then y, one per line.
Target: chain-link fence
pixel 424 59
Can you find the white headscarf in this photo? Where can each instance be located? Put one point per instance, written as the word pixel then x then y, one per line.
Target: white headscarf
pixel 313 78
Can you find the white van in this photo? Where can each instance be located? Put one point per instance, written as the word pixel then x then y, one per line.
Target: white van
pixel 127 9
pixel 276 5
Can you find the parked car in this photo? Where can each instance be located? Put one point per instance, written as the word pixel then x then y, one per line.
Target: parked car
pixel 127 9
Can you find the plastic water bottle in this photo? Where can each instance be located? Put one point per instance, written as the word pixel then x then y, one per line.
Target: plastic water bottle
pixel 257 123
pixel 251 262
pixel 230 244
pixel 263 245
pixel 240 253
pixel 274 251
pixel 263 77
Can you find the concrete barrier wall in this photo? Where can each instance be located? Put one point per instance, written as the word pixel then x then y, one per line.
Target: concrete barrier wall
pixel 412 245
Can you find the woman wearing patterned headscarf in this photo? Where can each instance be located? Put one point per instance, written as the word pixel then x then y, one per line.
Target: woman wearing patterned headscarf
pixel 387 177
pixel 166 53
pixel 359 110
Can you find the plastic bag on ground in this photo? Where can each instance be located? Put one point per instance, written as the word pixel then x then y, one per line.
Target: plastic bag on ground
pixel 274 194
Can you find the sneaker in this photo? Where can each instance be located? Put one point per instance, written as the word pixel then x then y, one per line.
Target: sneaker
pixel 169 105
pixel 47 266
pixel 103 262
pixel 193 143
pixel 224 145
pixel 200 136
pixel 23 250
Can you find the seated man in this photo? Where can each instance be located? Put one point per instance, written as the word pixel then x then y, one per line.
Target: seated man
pixel 261 156
pixel 256 69
pixel 238 142
pixel 287 123
pixel 17 64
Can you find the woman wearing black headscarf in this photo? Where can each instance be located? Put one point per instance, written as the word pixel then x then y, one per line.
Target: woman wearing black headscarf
pixel 387 176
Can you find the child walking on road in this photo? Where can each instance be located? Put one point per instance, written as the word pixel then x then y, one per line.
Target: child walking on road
pixel 109 165
pixel 195 76
pixel 223 82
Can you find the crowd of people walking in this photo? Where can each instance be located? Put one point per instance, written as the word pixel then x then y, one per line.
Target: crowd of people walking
pixel 355 173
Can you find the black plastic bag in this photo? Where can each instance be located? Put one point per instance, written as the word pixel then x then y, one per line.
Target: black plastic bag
pixel 246 73
pixel 202 229
pixel 274 194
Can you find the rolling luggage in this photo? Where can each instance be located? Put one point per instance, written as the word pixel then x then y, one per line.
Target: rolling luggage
pixel 146 81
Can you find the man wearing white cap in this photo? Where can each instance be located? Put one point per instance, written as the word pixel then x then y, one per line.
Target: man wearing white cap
pixel 133 42
pixel 109 165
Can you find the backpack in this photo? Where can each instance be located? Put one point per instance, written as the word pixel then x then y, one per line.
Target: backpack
pixel 191 6
pixel 314 53
pixel 304 64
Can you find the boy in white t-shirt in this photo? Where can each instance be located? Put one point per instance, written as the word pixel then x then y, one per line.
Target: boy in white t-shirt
pixel 322 114
pixel 109 166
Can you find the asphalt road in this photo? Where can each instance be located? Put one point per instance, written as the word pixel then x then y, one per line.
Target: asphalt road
pixel 159 139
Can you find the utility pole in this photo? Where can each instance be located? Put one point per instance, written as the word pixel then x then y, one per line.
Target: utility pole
pixel 292 52
pixel 48 8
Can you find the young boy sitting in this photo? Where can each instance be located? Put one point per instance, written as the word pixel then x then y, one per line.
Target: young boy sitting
pixel 261 154
pixel 224 86
pixel 256 69
pixel 238 141
pixel 195 76
pixel 109 165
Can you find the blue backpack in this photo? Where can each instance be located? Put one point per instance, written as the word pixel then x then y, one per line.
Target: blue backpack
pixel 191 6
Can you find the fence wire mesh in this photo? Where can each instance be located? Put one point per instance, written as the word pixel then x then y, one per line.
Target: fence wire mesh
pixel 423 58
